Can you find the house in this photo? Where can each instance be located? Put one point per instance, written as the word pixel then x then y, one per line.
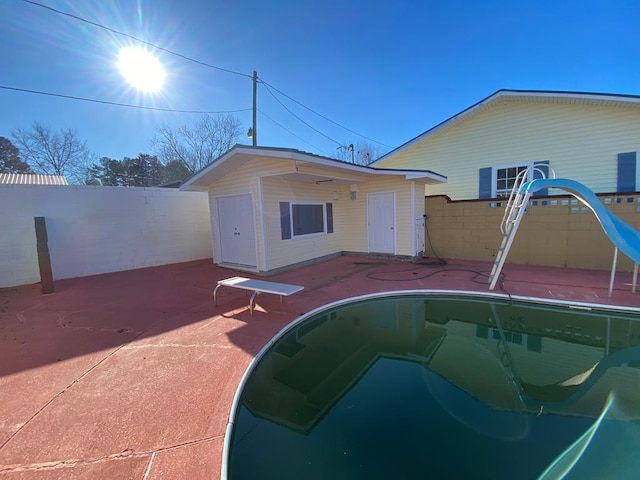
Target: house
pixel 589 137
pixel 274 208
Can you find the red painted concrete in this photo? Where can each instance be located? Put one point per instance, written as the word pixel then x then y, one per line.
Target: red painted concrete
pixel 133 373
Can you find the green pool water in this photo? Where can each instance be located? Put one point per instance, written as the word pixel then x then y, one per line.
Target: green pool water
pixel 443 386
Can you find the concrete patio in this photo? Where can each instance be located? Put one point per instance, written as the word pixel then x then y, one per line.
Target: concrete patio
pixel 131 375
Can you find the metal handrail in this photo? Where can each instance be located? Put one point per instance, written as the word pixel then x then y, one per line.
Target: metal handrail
pixel 516 194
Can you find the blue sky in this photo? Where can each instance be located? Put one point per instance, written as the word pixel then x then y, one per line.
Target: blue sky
pixel 386 69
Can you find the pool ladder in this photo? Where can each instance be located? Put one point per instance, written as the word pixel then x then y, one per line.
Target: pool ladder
pixel 504 353
pixel 515 209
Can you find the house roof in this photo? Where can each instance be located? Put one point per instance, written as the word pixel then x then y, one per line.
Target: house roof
pixel 306 167
pixel 31 179
pixel 548 96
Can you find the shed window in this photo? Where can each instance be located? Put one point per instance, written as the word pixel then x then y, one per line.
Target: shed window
pixel 307 219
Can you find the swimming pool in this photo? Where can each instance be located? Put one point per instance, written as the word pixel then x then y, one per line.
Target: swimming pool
pixel 442 385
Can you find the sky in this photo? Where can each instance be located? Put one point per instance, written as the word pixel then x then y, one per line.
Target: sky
pixel 376 71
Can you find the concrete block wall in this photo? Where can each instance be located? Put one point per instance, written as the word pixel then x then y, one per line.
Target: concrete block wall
pixel 555 231
pixel 95 230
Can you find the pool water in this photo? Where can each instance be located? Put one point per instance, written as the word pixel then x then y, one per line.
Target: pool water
pixel 443 386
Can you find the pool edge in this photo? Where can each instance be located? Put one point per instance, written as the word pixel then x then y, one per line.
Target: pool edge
pixel 394 293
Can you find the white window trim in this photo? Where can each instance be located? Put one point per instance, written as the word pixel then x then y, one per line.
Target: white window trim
pixel 494 174
pixel 324 220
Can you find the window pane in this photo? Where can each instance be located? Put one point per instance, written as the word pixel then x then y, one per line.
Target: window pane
pixel 505 179
pixel 307 219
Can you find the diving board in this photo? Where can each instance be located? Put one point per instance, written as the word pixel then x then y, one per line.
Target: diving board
pixel 258 287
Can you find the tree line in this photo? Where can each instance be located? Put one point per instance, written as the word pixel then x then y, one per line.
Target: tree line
pixel 177 153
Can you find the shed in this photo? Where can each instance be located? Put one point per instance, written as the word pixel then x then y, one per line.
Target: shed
pixel 275 208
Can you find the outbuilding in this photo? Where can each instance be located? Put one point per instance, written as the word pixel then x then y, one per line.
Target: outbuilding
pixel 276 208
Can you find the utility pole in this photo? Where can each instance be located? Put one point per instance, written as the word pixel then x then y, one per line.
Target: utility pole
pixel 255 89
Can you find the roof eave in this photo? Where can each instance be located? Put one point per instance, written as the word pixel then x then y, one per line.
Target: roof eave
pixel 200 181
pixel 506 93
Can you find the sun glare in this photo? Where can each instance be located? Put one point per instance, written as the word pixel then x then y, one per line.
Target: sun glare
pixel 141 69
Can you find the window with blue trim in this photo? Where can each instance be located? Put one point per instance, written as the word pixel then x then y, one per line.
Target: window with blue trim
pixel 498 181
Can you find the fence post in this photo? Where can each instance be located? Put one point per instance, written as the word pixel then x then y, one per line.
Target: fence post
pixel 44 260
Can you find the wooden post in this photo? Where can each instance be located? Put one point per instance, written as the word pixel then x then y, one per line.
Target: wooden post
pixel 44 260
pixel 255 108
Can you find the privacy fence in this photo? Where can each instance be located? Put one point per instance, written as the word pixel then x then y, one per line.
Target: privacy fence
pixel 92 230
pixel 555 231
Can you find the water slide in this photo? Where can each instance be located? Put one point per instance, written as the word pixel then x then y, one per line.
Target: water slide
pixel 622 235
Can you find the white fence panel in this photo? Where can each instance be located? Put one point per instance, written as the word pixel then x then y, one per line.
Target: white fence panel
pixel 93 230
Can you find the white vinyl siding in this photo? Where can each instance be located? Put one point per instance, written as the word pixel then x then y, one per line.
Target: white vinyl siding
pixel 260 178
pixel 243 181
pixel 579 141
pixel 355 214
pixel 281 252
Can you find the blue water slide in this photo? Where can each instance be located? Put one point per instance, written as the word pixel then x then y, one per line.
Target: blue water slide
pixel 623 235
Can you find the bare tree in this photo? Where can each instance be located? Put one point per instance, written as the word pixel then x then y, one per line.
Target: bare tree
pixel 362 153
pixel 198 144
pixel 54 153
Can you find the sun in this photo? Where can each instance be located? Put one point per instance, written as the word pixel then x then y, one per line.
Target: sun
pixel 141 69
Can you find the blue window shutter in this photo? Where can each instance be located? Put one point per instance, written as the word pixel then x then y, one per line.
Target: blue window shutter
pixel 627 172
pixel 484 191
pixel 285 220
pixel 544 166
pixel 329 217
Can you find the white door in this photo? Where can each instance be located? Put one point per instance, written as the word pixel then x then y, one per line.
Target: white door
pixel 236 227
pixel 381 214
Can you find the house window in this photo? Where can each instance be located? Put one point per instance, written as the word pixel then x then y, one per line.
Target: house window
pixel 498 181
pixel 307 218
pixel 504 178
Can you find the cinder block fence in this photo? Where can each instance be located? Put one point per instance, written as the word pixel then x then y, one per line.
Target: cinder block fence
pixel 93 230
pixel 555 231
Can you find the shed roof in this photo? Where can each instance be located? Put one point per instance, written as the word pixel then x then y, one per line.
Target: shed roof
pixel 325 169
pixel 32 179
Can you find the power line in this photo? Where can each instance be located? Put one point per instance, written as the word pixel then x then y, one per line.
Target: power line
pixel 322 116
pixel 93 100
pixel 199 62
pixel 297 136
pixel 117 32
pixel 288 110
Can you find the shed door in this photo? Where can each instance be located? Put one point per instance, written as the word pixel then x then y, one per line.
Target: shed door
pixel 381 209
pixel 236 227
